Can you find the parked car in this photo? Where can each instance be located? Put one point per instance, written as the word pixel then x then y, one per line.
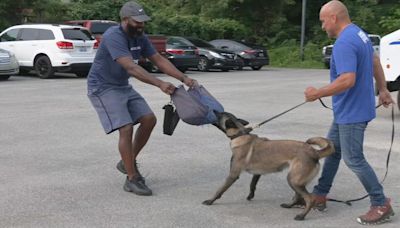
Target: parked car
pixel 327 50
pixel 8 64
pixel 50 48
pixel 182 53
pixel 96 27
pixel 160 44
pixel 253 55
pixel 215 58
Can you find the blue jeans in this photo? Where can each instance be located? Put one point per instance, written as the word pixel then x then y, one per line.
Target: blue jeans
pixel 348 140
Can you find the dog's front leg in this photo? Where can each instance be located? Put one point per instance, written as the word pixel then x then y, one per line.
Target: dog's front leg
pixel 233 176
pixel 228 182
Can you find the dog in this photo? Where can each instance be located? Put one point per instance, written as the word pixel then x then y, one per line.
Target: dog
pixel 260 156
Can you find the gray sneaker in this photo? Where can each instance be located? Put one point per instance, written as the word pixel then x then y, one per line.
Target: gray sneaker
pixel 121 168
pixel 137 187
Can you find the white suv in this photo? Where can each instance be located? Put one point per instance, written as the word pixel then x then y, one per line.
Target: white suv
pixel 48 48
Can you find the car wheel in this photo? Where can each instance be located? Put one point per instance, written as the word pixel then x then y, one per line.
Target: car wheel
pixel 182 69
pixel 4 77
pixel 327 66
pixel 203 64
pixel 43 67
pixel 82 74
pixel 225 70
pixel 256 67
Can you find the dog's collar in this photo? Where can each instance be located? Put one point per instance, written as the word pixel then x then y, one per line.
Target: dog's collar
pixel 246 131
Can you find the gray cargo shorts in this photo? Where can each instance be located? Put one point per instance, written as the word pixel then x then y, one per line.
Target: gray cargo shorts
pixel 117 107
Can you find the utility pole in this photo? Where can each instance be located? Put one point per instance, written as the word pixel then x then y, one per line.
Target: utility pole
pixel 303 28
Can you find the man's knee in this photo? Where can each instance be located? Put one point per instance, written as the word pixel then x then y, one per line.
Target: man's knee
pixel 148 121
pixel 126 130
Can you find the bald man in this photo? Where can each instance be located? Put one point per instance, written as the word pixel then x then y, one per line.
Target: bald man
pixel 353 67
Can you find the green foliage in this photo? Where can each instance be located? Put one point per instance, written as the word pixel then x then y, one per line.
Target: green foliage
pixel 274 23
pixel 287 54
pixel 391 22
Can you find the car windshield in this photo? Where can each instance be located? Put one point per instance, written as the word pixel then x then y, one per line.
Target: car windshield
pixel 374 40
pixel 201 43
pixel 77 34
pixel 100 28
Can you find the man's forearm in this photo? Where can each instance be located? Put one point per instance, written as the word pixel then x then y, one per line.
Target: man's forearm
pixel 379 74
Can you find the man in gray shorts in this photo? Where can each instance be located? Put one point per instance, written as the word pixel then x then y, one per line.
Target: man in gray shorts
pixel 118 105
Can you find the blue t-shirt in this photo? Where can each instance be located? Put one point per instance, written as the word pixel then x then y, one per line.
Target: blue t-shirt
pixel 353 53
pixel 105 71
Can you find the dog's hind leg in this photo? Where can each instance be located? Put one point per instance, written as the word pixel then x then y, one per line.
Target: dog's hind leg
pixel 297 201
pixel 301 190
pixel 253 184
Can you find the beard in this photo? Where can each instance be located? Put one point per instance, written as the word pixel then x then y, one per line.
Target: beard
pixel 134 31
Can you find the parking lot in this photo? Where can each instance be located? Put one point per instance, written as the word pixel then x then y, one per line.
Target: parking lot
pixel 57 167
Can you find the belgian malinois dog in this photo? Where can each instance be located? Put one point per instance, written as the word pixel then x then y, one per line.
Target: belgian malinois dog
pixel 260 156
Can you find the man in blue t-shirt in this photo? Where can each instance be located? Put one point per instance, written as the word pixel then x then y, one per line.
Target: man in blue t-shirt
pixel 353 67
pixel 118 105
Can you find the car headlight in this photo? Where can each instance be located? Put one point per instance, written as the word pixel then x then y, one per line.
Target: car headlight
pixel 216 55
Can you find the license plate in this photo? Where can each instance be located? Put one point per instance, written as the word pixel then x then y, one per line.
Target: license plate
pixel 82 49
pixel 260 54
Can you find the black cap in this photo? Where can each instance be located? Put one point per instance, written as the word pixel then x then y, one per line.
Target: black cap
pixel 134 10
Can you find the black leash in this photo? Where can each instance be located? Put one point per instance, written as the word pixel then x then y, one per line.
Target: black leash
pixel 276 116
pixel 348 202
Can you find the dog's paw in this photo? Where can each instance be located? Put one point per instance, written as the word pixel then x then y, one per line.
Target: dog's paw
pixel 299 217
pixel 250 196
pixel 208 202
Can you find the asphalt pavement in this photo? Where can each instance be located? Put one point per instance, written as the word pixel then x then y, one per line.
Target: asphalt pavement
pixel 57 167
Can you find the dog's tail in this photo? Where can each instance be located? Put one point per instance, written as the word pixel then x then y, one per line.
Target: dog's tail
pixel 326 146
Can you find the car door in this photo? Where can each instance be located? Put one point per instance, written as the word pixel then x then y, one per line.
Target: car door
pixel 8 40
pixel 27 46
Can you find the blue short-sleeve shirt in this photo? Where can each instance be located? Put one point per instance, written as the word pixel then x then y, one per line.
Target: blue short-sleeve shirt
pixel 105 71
pixel 353 53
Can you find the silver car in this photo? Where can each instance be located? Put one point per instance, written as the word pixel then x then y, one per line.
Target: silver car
pixel 8 64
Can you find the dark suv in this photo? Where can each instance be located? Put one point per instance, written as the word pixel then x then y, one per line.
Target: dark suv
pixel 253 55
pixel 215 58
pixel 96 27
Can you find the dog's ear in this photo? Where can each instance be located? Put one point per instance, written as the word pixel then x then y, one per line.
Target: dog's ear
pixel 244 122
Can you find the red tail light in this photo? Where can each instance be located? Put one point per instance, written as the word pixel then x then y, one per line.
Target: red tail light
pixel 65 45
pixel 176 51
pixel 96 44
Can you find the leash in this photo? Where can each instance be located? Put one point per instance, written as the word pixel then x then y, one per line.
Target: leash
pixel 348 202
pixel 276 116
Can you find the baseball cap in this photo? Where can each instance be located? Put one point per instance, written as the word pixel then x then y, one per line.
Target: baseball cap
pixel 135 11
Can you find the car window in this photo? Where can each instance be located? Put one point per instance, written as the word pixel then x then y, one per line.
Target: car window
pixel 76 34
pixel 201 43
pixel 177 41
pixel 10 35
pixel 45 34
pixel 100 28
pixel 29 34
